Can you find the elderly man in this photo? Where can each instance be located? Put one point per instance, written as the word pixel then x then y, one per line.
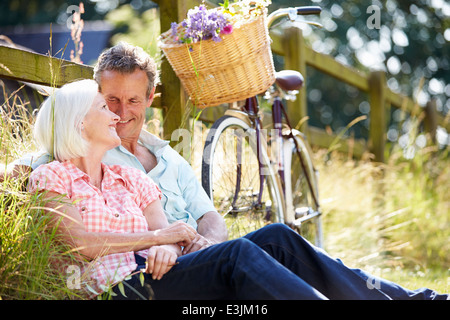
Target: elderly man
pixel 271 263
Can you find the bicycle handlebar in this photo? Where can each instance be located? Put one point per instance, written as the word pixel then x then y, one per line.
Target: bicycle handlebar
pixel 309 10
pixel 292 13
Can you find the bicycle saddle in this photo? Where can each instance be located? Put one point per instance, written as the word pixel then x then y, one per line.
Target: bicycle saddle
pixel 289 80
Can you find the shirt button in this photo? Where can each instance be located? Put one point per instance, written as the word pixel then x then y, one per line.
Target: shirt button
pixel 116 215
pixel 83 209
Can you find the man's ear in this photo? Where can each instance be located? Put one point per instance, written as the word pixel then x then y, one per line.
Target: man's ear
pixel 151 97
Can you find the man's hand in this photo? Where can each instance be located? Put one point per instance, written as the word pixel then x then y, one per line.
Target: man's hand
pixel 161 259
pixel 198 243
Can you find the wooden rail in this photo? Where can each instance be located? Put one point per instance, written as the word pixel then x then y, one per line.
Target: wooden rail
pixel 30 67
pixel 36 68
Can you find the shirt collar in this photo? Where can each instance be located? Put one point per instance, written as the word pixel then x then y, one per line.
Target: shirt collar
pixel 153 143
pixel 73 170
pixel 109 176
pixel 150 141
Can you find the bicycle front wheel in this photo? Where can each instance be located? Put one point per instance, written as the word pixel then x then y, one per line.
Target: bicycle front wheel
pixel 231 177
pixel 302 191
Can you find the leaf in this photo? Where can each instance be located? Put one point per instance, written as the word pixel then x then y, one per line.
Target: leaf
pixel 122 289
pixel 142 278
pixel 92 290
pixel 128 277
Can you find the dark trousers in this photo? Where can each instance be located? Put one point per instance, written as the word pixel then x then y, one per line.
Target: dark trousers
pixel 271 263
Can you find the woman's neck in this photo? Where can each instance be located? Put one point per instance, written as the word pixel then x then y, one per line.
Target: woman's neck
pixel 91 165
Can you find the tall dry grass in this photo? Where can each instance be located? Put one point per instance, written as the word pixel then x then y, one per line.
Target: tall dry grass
pixel 390 219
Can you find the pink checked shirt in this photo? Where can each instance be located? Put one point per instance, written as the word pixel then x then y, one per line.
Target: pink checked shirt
pixel 118 207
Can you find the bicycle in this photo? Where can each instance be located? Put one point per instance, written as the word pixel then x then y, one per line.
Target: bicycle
pixel 256 176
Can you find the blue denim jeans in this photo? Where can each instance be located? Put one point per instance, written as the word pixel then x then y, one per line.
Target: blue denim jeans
pixel 271 263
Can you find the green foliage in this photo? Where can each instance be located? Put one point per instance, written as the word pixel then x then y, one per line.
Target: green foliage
pixel 139 29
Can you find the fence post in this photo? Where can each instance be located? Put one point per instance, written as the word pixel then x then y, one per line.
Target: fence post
pixel 173 98
pixel 295 59
pixel 430 121
pixel 378 121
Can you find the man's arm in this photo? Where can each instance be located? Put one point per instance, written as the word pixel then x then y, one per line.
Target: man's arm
pixel 13 172
pixel 212 227
pixel 23 166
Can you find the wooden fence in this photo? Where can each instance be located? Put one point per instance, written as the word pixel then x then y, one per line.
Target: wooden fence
pixel 35 68
pixel 297 55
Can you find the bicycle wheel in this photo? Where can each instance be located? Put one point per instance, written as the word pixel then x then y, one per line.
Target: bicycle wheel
pixel 230 176
pixel 302 194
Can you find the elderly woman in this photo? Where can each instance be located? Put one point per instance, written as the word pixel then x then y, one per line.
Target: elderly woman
pixel 111 213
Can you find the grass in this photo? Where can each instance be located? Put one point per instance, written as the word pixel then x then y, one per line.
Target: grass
pixel 30 253
pixel 31 256
pixel 391 220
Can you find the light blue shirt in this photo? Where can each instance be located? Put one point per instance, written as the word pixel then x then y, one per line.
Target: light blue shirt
pixel 183 196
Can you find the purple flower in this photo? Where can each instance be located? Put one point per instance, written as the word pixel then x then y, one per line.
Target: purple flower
pixel 174 27
pixel 201 24
pixel 216 37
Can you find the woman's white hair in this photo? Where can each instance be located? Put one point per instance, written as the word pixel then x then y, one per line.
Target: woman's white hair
pixel 59 122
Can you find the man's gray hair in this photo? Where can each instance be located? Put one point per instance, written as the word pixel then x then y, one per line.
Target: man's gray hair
pixel 125 58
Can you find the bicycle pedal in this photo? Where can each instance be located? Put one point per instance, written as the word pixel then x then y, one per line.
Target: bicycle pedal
pixel 258 206
pixel 301 212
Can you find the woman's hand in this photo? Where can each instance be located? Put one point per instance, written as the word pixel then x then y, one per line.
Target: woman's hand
pixel 161 259
pixel 178 232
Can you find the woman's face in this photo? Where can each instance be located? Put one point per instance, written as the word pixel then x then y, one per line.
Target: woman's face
pixel 99 125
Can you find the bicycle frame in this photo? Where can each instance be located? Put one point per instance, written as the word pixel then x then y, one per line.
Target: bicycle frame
pixel 251 109
pixel 251 116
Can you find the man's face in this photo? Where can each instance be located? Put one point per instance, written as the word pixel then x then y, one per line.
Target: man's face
pixel 126 96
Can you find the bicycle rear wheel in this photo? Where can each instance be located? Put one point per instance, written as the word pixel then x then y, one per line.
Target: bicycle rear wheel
pixel 230 176
pixel 302 192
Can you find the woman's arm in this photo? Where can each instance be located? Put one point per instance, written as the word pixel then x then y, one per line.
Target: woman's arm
pixel 95 244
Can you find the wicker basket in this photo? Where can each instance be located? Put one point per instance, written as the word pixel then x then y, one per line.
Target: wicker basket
pixel 238 67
